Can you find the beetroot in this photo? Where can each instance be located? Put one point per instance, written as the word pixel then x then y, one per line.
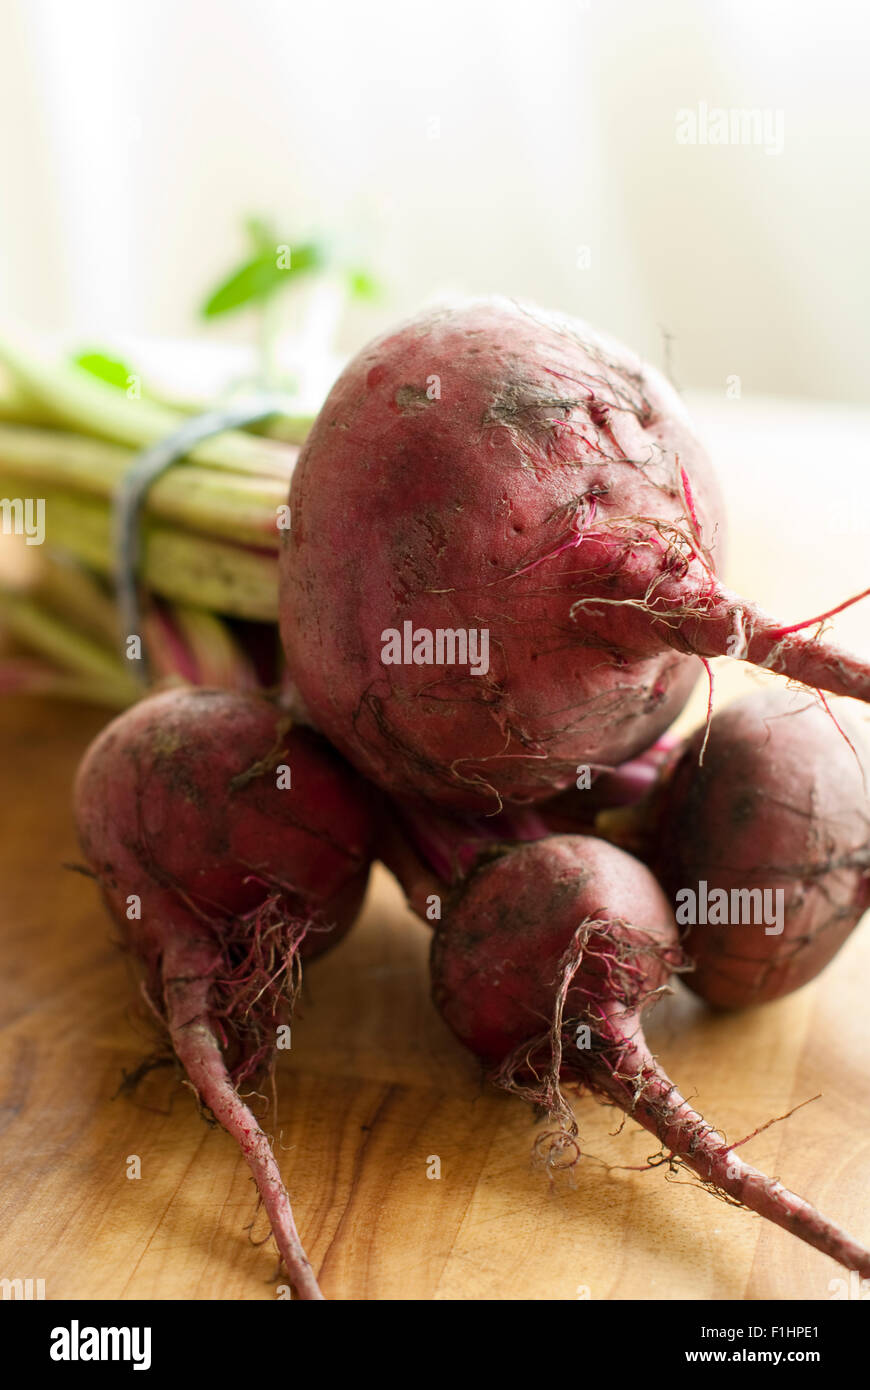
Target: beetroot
pixel 778 809
pixel 494 471
pixel 548 955
pixel 220 876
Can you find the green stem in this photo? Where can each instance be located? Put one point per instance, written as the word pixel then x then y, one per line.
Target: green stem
pixel 82 402
pixel 287 428
pixel 42 632
pixel 22 676
pixel 217 503
pixel 67 589
pixel 186 568
pixel 17 406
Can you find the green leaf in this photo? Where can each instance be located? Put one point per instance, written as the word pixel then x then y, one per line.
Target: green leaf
pixel 261 235
pixel 263 276
pixel 310 255
pixel 362 285
pixel 110 369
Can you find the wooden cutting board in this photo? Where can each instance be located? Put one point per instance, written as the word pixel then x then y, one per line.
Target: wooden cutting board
pixel 373 1090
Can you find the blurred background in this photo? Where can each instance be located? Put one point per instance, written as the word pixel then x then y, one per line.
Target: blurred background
pixel 527 149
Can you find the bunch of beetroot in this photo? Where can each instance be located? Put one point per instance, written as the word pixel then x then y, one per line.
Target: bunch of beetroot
pixel 501 573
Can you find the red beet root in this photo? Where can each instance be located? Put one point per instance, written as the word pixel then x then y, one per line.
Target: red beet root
pixel 220 876
pixel 547 958
pixel 493 469
pixel 779 810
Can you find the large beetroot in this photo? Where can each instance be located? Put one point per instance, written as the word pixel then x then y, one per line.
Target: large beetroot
pixel 226 844
pixel 546 959
pixel 498 476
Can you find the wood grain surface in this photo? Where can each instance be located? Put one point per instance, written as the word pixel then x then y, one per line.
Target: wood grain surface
pixel 373 1088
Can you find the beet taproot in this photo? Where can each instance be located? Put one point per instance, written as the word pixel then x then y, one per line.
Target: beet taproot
pixel 227 845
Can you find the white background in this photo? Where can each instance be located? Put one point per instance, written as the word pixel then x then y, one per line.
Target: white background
pixel 134 137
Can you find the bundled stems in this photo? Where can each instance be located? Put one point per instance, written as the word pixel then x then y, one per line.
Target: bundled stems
pixel 68 621
pixel 196 570
pixel 210 530
pixel 234 507
pixel 73 398
pixel 41 631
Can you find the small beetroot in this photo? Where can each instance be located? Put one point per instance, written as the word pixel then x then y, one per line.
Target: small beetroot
pixel 776 823
pixel 227 845
pixel 548 956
